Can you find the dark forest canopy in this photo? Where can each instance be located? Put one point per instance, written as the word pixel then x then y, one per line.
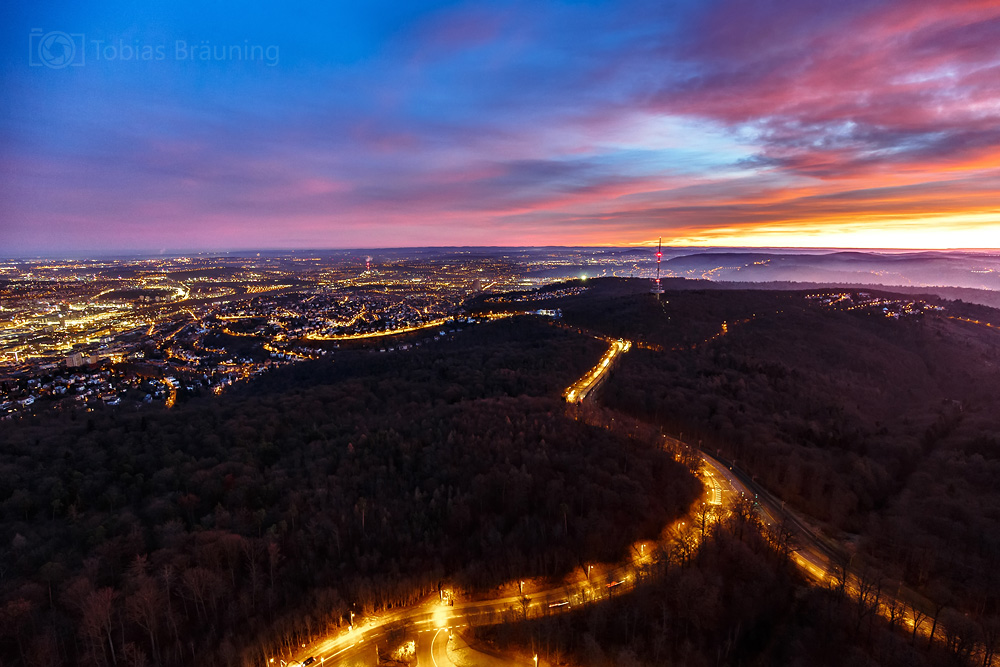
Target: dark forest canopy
pixel 737 601
pixel 193 535
pixel 202 533
pixel 887 430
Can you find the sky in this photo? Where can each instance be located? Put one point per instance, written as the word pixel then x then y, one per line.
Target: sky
pixel 212 125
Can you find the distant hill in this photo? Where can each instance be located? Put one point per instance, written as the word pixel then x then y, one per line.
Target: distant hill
pixel 984 297
pixel 980 271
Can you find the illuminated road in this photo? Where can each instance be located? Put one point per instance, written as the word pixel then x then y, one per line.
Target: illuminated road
pixel 430 622
pixel 714 488
pixel 821 558
pixel 439 649
pixel 815 554
pixel 171 394
pixel 579 389
pixel 444 321
pixel 432 648
pixel 971 321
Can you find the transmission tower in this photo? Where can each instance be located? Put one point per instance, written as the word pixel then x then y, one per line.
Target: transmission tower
pixel 657 289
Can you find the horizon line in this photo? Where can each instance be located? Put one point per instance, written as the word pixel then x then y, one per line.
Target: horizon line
pixel 178 253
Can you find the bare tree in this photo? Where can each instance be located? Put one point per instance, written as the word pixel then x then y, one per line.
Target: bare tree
pixel 841 573
pixel 960 633
pixel 98 611
pixel 938 608
pixel 894 609
pixel 143 608
pixel 273 559
pixel 362 508
pixel 704 517
pixel 989 629
pixel 917 617
pixel 525 602
pixel 253 552
pixel 782 538
pixel 868 594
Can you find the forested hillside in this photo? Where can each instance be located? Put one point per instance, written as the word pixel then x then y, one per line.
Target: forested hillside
pixel 881 427
pixel 739 601
pixel 215 531
pixel 202 534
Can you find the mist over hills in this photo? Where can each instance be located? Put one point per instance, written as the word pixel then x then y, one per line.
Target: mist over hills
pixel 957 269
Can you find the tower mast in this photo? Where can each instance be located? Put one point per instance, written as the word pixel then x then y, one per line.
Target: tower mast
pixel 657 289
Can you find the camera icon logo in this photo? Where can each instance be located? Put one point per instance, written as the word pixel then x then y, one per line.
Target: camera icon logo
pixel 55 49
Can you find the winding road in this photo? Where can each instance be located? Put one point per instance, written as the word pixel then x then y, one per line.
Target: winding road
pixel 431 623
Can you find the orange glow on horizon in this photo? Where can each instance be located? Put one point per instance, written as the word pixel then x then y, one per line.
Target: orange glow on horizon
pixel 914 238
pixel 966 231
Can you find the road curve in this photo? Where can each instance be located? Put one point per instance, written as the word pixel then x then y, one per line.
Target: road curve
pixel 818 556
pixel 432 622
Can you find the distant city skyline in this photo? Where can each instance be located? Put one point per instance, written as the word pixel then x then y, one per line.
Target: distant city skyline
pixel 218 127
